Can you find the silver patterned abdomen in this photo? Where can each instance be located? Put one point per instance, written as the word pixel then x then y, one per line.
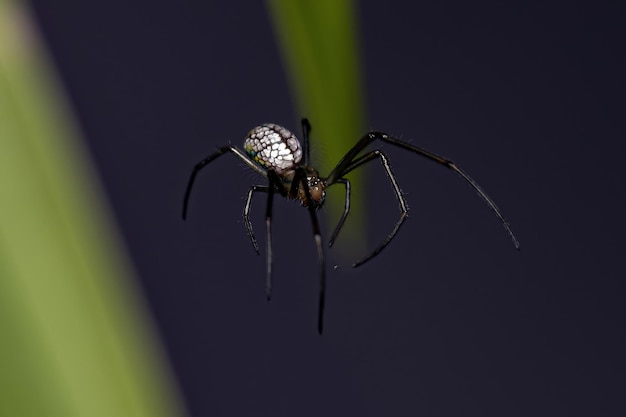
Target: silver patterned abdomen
pixel 273 146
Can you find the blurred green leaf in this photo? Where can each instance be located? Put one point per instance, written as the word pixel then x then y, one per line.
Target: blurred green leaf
pixel 76 339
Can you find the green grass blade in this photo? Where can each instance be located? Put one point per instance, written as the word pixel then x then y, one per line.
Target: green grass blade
pixel 75 338
pixel 319 45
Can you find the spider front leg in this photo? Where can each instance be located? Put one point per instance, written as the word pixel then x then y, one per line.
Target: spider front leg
pixel 348 163
pixel 404 210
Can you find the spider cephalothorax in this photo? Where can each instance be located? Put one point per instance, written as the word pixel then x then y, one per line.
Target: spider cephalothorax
pixel 276 154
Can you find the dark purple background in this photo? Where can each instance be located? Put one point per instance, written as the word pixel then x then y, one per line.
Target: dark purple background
pixel 450 319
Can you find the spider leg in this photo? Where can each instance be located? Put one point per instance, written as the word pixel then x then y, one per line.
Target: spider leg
pixel 273 178
pixel 300 177
pixel 346 164
pixel 246 214
pixel 404 210
pixel 346 211
pixel 221 151
pixel 306 130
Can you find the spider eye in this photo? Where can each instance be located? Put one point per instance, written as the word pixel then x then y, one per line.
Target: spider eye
pixel 273 146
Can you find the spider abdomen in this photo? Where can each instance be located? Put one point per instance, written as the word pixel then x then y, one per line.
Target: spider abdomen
pixel 273 146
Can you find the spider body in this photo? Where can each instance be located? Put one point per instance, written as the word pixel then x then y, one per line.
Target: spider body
pixel 275 148
pixel 276 154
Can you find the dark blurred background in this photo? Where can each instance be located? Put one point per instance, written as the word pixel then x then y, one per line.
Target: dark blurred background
pixel 528 98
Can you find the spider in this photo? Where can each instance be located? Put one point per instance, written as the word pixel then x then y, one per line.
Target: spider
pixel 276 154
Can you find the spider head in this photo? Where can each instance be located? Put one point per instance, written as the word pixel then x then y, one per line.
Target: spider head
pixel 316 189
